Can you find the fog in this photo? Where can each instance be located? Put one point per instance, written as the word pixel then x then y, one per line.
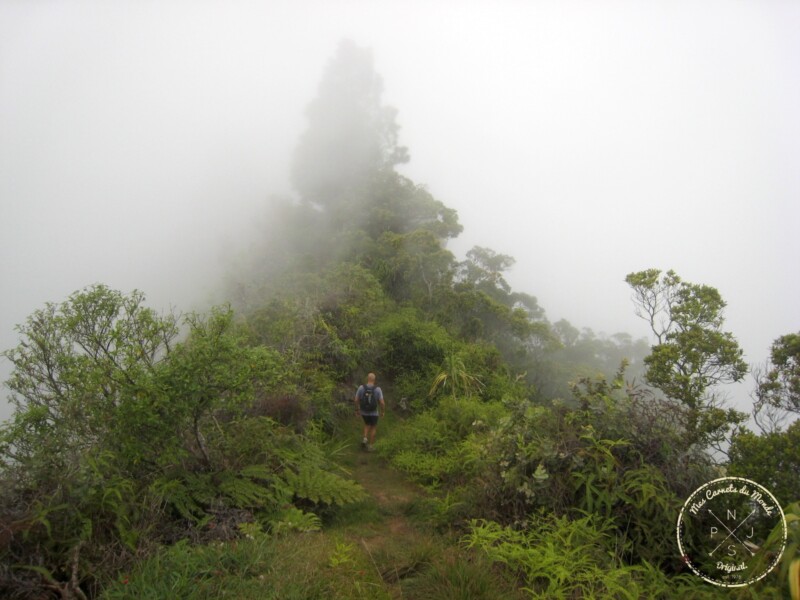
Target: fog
pixel 140 143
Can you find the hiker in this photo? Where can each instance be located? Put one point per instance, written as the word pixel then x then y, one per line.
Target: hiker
pixel 368 398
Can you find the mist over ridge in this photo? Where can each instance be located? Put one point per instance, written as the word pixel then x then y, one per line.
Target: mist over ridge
pixel 563 235
pixel 585 144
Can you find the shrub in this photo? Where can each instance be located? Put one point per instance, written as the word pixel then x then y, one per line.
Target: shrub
pixel 407 344
pixel 442 445
pixel 122 437
pixel 559 557
pixel 772 459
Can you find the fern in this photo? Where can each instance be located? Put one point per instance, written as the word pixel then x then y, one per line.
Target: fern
pixel 263 472
pixel 245 493
pixel 176 493
pixel 424 467
pixel 294 519
pixel 565 558
pixel 202 487
pixel 322 487
pixel 191 494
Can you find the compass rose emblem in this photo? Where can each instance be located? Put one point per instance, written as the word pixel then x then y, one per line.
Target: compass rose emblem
pixel 723 529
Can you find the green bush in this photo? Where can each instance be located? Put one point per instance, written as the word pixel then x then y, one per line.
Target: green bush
pixel 771 459
pixel 442 444
pixel 321 319
pixel 122 436
pixel 408 344
pixel 559 557
pixel 508 460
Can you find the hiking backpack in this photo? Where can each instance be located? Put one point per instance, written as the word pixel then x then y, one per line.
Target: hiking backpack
pixel 368 402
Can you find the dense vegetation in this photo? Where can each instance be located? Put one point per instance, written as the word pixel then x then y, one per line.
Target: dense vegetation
pixel 179 449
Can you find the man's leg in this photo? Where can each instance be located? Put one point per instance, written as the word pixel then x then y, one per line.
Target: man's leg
pixel 364 439
pixel 372 430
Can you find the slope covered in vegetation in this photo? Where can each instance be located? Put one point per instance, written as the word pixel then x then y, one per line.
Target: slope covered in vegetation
pixel 211 455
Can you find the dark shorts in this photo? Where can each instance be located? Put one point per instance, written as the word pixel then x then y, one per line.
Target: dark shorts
pixel 371 420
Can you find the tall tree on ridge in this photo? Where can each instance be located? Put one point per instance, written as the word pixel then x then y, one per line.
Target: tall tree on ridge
pixel 692 354
pixel 351 136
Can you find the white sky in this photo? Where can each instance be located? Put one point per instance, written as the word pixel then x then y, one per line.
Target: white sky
pixel 140 139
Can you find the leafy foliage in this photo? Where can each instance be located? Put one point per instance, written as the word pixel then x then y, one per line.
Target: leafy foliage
pixel 442 446
pixel 79 367
pixel 119 432
pixel 322 487
pixel 772 459
pixel 321 320
pixel 454 377
pixel 127 435
pixel 407 348
pixel 692 353
pixel 413 266
pixel 575 354
pixel 616 456
pixel 780 386
pixel 563 558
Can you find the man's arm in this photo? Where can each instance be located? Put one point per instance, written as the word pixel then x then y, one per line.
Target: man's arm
pixel 383 405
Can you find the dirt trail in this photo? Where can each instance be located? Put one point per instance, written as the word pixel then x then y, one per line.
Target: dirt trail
pixel 392 493
pixel 397 547
pixel 393 536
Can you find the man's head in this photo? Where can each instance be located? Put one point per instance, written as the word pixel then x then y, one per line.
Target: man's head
pixel 371 378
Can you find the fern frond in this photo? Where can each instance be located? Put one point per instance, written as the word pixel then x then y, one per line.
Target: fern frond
pixel 262 472
pixel 245 493
pixel 175 492
pixel 323 487
pixel 294 519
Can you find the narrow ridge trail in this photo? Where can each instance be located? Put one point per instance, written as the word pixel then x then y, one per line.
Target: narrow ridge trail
pixel 395 544
pixel 393 535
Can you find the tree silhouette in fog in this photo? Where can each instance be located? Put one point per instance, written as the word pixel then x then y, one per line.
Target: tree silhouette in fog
pixel 351 135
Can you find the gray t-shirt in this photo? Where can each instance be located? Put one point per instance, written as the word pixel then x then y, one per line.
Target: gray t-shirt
pixel 378 397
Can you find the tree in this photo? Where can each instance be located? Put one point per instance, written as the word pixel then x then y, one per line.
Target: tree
pixel 344 170
pixel 484 269
pixel 124 438
pixel 78 366
pixel 103 373
pixel 413 266
pixel 395 203
pixel 780 385
pixel 584 353
pixel 772 459
pixel 213 371
pixel 79 369
pixel 692 353
pixel 351 135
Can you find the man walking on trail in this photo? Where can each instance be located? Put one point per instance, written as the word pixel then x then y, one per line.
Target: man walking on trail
pixel 367 399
